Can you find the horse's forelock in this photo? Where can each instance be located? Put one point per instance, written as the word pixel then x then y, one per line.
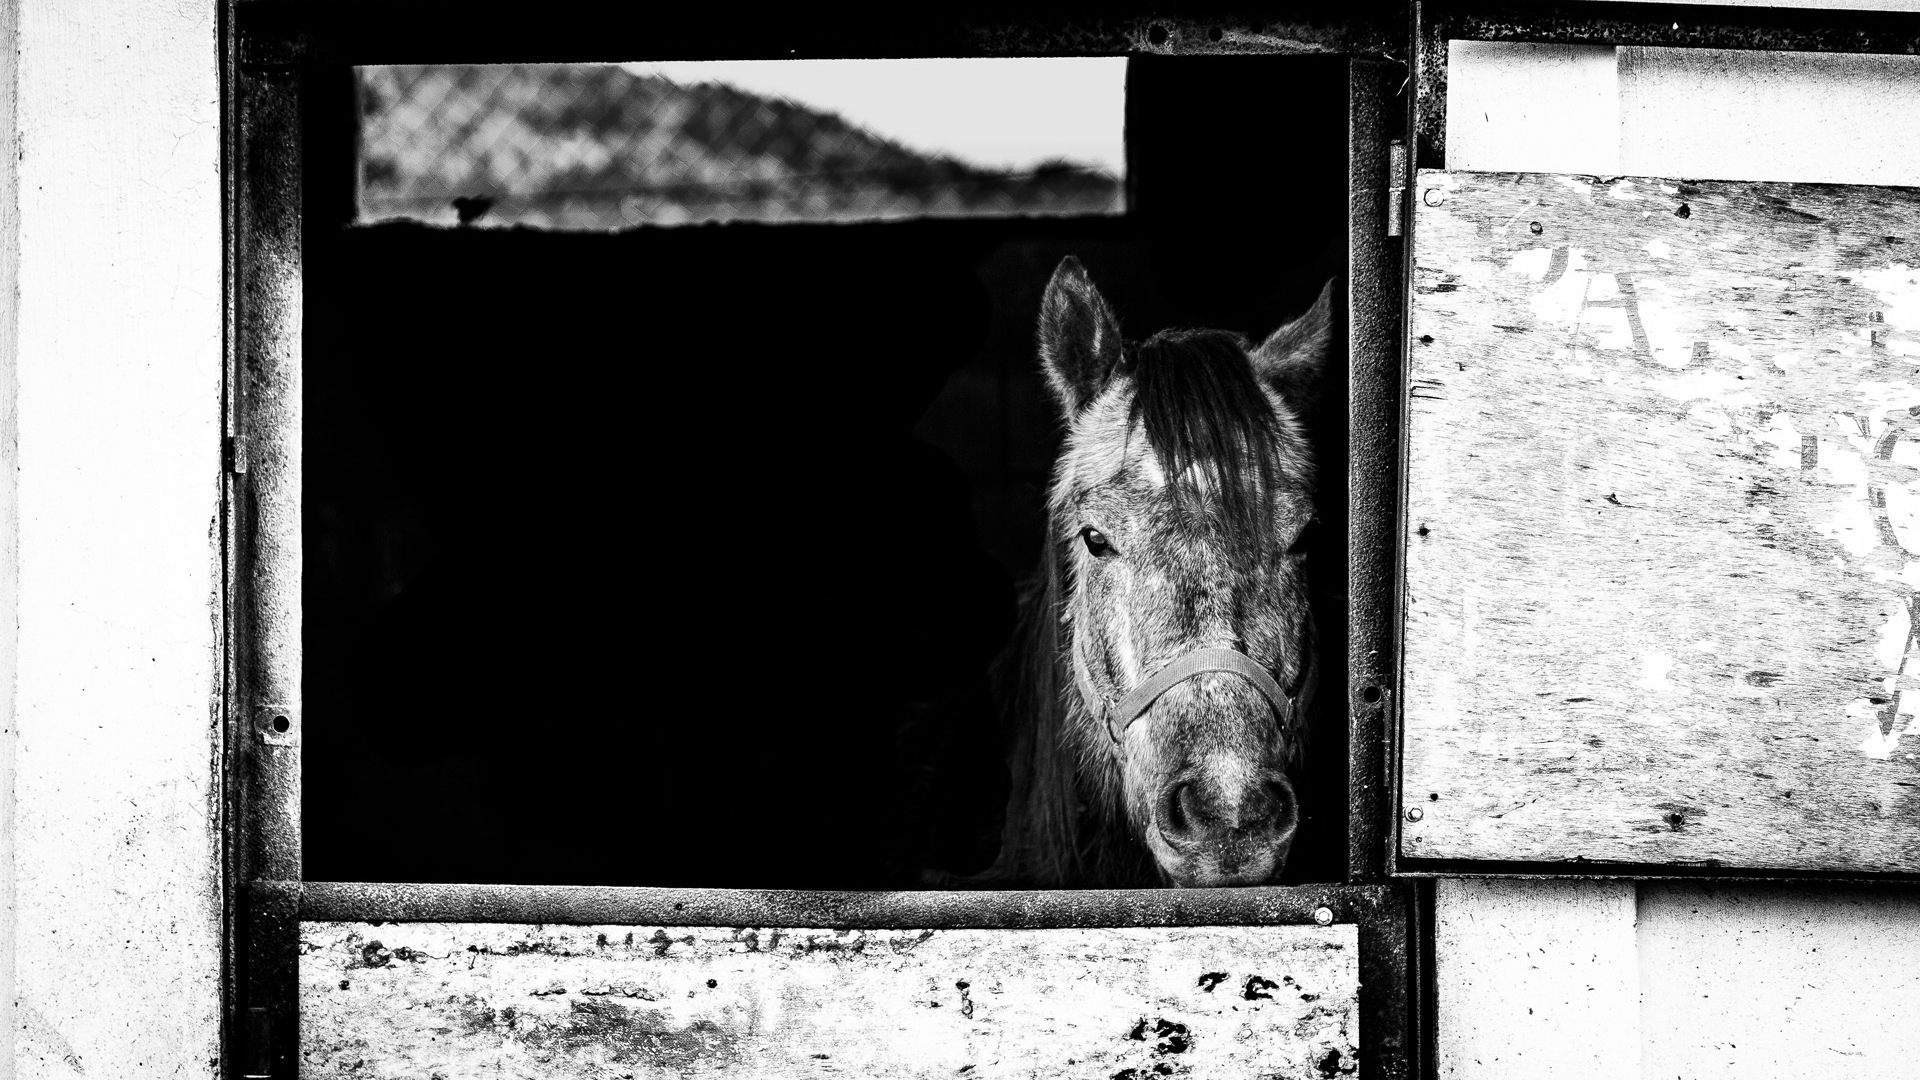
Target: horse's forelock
pixel 1213 428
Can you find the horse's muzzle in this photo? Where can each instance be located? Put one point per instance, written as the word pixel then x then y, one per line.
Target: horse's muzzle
pixel 1211 832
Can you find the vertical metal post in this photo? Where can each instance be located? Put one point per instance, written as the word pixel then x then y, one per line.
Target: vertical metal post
pixel 268 510
pixel 265 566
pixel 257 1044
pixel 270 1031
pixel 1427 53
pixel 1373 341
pixel 1390 981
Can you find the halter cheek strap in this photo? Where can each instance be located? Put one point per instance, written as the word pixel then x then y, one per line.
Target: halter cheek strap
pixel 1198 662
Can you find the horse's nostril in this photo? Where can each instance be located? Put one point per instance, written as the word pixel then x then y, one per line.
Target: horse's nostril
pixel 1198 811
pixel 1280 799
pixel 1177 813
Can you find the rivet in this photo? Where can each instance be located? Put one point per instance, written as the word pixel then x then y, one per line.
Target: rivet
pixel 1433 196
pixel 1536 228
pixel 1323 916
pixel 1415 813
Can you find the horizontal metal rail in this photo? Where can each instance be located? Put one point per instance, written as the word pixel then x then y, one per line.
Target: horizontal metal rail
pixel 354 901
pixel 297 32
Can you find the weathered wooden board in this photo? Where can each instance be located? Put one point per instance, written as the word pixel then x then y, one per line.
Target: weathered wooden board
pixel 1663 499
pixel 456 1001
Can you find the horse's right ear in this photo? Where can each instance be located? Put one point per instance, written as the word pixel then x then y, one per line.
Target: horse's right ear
pixel 1294 357
pixel 1079 337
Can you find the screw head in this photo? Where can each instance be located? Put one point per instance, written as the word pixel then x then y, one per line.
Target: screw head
pixel 1323 915
pixel 1433 196
pixel 1414 813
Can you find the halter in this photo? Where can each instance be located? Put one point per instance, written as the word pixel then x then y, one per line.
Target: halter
pixel 1197 662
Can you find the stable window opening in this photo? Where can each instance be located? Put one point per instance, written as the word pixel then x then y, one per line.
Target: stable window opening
pixel 694 556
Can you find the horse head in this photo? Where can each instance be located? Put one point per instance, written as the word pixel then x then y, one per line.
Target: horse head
pixel 1179 514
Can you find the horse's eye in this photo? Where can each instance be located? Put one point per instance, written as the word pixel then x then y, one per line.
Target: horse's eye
pixel 1096 540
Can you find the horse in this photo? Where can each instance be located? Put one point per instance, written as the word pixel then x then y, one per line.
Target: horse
pixel 1158 684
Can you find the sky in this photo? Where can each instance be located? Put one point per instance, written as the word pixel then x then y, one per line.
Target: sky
pixel 997 113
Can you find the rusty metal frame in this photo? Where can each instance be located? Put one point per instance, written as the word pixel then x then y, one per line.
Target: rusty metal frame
pixel 261 545
pixel 1003 909
pixel 274 51
pixel 307 32
pixel 1375 303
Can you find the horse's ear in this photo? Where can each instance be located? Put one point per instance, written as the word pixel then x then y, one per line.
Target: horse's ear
pixel 1079 337
pixel 1293 357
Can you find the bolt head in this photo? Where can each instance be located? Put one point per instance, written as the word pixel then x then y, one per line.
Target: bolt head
pixel 1415 813
pixel 1433 196
pixel 1323 916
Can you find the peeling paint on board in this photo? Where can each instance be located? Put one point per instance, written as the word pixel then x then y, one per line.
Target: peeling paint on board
pixel 606 1002
pixel 1693 418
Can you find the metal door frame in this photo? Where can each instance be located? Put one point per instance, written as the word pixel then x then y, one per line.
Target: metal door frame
pixel 274 50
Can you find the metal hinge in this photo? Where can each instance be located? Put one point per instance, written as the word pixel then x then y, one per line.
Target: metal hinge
pixel 237 454
pixel 1396 188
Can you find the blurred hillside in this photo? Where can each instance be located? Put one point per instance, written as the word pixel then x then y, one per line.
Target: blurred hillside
pixel 597 147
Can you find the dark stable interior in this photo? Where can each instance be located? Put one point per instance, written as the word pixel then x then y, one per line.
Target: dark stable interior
pixel 679 556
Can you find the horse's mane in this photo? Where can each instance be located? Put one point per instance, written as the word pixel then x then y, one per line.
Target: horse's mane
pixel 1059 831
pixel 1202 408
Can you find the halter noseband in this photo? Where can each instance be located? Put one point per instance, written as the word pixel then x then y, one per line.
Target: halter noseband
pixel 1197 662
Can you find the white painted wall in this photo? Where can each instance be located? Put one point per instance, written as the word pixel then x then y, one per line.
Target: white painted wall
pixel 110 378
pixel 1525 107
pixel 1611 980
pixel 1726 114
pixel 1781 981
pixel 9 508
pixel 1536 979
pixel 1705 114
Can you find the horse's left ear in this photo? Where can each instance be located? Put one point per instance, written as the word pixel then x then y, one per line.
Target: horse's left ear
pixel 1293 358
pixel 1079 337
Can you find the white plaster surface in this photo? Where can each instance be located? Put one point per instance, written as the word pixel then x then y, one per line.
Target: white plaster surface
pixel 1536 979
pixel 1613 981
pixel 1707 114
pixel 1788 981
pixel 1514 106
pixel 117 357
pixel 9 515
pixel 1729 114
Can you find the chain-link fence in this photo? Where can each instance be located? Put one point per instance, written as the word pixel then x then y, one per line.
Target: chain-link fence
pixel 599 147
